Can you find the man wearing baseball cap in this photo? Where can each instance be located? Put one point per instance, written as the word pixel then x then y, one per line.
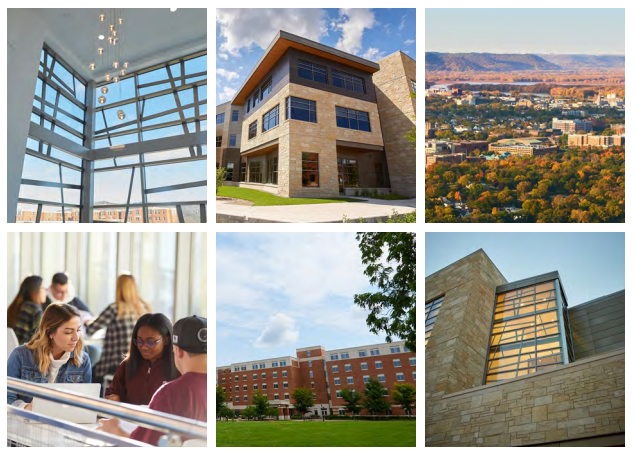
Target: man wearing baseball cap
pixel 187 395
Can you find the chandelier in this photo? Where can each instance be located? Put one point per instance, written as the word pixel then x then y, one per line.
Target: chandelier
pixel 110 48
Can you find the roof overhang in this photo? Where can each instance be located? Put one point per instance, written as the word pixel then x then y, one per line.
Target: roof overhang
pixel 280 44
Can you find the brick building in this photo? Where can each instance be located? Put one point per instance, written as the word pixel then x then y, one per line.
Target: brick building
pixel 313 121
pixel 572 126
pixel 510 364
pixel 585 141
pixel 326 372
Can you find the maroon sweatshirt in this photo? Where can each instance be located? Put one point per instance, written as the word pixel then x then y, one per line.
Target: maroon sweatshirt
pixel 139 389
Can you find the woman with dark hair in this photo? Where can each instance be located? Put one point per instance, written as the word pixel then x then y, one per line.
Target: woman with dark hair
pixel 25 312
pixel 148 364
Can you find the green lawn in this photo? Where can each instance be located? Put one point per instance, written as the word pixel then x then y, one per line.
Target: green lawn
pixel 316 434
pixel 266 199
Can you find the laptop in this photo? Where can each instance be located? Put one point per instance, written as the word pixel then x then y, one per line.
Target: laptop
pixel 68 412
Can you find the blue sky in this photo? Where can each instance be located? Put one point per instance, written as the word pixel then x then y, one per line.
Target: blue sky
pixel 276 292
pixel 591 265
pixel 242 35
pixel 519 30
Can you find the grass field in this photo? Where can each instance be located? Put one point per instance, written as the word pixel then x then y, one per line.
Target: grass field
pixel 259 198
pixel 316 434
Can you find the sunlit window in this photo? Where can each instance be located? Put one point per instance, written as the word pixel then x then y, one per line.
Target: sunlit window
pixel 431 313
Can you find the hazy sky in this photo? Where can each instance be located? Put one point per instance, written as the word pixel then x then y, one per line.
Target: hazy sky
pixel 519 30
pixel 591 265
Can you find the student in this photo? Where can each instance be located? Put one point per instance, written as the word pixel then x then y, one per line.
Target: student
pixel 24 313
pixel 148 364
pixel 120 318
pixel 185 396
pixel 62 290
pixel 53 355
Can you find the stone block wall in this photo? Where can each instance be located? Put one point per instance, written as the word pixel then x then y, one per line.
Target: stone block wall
pixel 397 110
pixel 582 400
pixel 456 351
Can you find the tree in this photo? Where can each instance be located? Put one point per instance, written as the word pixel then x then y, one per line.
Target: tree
pixel 393 307
pixel 221 398
pixel 225 412
pixel 353 401
pixel 249 412
pixel 404 394
pixel 221 175
pixel 303 400
pixel 273 411
pixel 260 404
pixel 374 400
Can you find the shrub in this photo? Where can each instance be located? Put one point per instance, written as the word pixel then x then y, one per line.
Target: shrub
pixel 221 175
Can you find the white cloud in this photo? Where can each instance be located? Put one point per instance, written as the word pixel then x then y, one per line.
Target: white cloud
pixel 226 93
pixel 228 75
pixel 408 42
pixel 223 55
pixel 247 27
pixel 280 330
pixel 373 54
pixel 402 24
pixel 352 22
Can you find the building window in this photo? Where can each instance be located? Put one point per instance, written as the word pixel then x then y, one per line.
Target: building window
pixel 308 353
pixel 412 361
pixel 223 380
pixel 345 356
pixel 350 380
pixel 275 364
pixel 243 172
pixel 395 349
pixel 374 352
pixel 310 364
pixel 431 313
pixel 525 337
pixel 275 385
pixel 284 374
pixel 381 378
pixel 386 393
pixel 243 368
pixel 348 368
pixel 414 86
pixel 262 366
pixel 263 386
pixel 400 377
pixel 237 398
pixel 339 396
pixel 378 364
pixel 244 388
pixel 397 362
pixel 256 98
pixel 244 378
pixel 348 171
pixel 255 386
pixel 348 81
pixel 236 369
pixel 334 357
pixel 234 115
pixel 285 384
pixel 312 385
pixel 282 363
pixel 248 105
pixel 414 374
pixel 229 171
pixel 218 141
pixel 255 172
pixel 255 376
pixel 263 374
pixel 300 109
pixel 220 118
pixel 312 71
pixel 254 367
pixel 364 366
pixel 233 140
pixel 274 374
pixel 337 381
pixel 276 397
pixel 335 369
pixel 271 119
pixel 350 118
pixel 311 374
pixel 310 171
pixel 366 378
pixel 246 398
pixel 253 129
pixel 287 396
pixel 266 87
pixel 363 353
pixel 406 350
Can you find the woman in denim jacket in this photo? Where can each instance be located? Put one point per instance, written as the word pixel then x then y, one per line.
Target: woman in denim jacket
pixel 53 355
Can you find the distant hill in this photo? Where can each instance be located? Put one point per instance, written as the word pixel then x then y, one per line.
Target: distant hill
pixel 474 61
pixel 585 61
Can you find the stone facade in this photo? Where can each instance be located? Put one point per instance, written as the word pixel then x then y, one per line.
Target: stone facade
pixel 226 154
pixel 397 110
pixel 581 400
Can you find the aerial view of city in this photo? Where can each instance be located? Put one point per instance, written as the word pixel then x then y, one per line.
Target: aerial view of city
pixel 524 127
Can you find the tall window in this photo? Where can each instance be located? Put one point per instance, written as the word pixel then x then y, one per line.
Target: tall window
pixel 256 97
pixel 229 171
pixel 431 313
pixel 255 172
pixel 300 109
pixel 310 170
pixel 266 87
pixel 218 141
pixel 271 119
pixel 233 140
pixel 414 86
pixel 350 118
pixel 525 337
pixel 243 172
pixel 271 171
pixel 220 118
pixel 253 129
pixel 348 81
pixel 350 175
pixel 234 115
pixel 312 71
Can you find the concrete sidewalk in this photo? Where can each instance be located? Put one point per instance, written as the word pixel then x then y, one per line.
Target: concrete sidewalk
pixel 371 210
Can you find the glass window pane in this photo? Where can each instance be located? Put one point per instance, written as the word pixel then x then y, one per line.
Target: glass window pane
pixel 127 160
pixel 183 195
pixel 51 214
pixel 71 107
pixel 112 115
pixel 70 176
pixel 167 155
pixel 159 104
pixel 63 74
pixel 175 173
pixel 111 187
pixel 153 76
pixel 40 170
pixel 32 192
pixel 27 213
pixel 197 65
pixel 61 155
pixel 163 132
pixel 71 196
pixel 124 139
pixel 123 90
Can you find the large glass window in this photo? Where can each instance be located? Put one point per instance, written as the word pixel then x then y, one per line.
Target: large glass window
pixel 431 313
pixel 271 119
pixel 266 87
pixel 253 129
pixel 525 337
pixel 271 171
pixel 255 172
pixel 300 109
pixel 348 172
pixel 310 170
pixel 348 81
pixel 220 118
pixel 312 71
pixel 350 118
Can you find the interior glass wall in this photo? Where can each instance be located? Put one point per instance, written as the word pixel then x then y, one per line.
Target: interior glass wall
pixel 526 336
pixel 431 313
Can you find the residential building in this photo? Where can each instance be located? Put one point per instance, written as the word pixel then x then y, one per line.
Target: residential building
pixel 319 122
pixel 326 372
pixel 585 141
pixel 571 126
pixel 511 364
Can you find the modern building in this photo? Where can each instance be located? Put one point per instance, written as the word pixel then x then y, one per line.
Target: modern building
pixel 313 121
pixel 326 372
pixel 511 364
pixel 585 141
pixel 517 146
pixel 107 113
pixel 572 126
